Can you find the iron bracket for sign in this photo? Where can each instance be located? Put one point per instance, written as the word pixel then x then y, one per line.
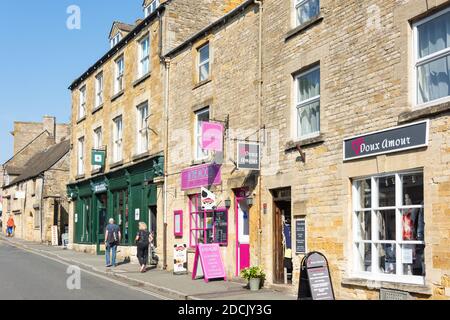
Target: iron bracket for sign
pixel 226 122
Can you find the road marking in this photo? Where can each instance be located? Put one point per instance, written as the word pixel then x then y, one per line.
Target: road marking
pixel 147 292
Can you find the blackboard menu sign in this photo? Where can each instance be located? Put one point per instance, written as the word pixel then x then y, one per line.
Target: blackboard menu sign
pixel 221 228
pixel 315 278
pixel 300 236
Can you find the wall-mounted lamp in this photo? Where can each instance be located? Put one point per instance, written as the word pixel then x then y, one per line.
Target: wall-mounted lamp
pixel 228 203
pixel 250 202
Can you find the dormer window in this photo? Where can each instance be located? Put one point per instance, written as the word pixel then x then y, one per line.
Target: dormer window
pixel 151 8
pixel 116 40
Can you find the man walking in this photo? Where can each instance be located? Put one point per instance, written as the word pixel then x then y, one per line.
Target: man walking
pixel 112 240
pixel 10 225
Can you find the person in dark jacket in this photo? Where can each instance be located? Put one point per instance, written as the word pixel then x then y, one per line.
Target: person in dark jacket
pixel 112 240
pixel 143 240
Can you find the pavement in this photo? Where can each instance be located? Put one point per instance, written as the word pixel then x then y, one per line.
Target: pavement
pixel 159 282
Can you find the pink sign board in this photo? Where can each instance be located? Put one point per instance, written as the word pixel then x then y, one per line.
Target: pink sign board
pixel 201 176
pixel 212 136
pixel 208 263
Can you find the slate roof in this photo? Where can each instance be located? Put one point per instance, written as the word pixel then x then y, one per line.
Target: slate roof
pixel 43 161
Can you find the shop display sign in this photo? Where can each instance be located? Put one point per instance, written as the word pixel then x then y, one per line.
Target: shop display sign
pixel 99 187
pixel 208 263
pixel 315 279
pixel 208 200
pixel 411 136
pixel 249 156
pixel 98 158
pixel 201 176
pixel 212 136
pixel 300 236
pixel 180 259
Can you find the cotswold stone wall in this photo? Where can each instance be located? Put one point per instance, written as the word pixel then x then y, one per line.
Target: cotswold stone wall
pixel 364 51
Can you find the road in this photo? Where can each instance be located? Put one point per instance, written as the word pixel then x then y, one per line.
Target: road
pixel 27 276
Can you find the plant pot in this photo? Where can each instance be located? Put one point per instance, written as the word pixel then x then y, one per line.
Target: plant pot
pixel 255 284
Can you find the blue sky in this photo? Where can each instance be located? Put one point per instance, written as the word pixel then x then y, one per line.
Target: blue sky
pixel 41 57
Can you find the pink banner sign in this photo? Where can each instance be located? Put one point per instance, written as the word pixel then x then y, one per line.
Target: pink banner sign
pixel 212 136
pixel 208 263
pixel 201 176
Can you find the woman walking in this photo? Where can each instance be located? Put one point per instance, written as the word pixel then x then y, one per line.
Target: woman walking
pixel 143 240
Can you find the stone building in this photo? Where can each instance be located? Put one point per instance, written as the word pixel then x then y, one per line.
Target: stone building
pixel 352 156
pixel 34 180
pixel 118 116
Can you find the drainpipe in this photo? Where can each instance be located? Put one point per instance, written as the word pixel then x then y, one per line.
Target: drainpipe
pixel 260 83
pixel 41 209
pixel 166 155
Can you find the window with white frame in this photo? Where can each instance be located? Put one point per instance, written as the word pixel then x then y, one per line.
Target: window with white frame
pixel 389 227
pixel 99 90
pixel 200 117
pixel 120 69
pixel 98 142
pixel 203 63
pixel 82 105
pixel 80 156
pixel 432 57
pixel 144 57
pixel 118 139
pixel 308 102
pixel 151 7
pixel 306 10
pixel 116 39
pixel 142 128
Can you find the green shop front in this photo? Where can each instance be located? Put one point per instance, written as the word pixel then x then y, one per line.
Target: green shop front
pixel 127 195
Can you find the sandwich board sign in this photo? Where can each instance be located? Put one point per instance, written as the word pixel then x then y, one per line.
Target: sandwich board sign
pixel 180 259
pixel 208 263
pixel 315 279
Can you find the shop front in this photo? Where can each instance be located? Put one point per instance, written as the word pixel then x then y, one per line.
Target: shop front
pixel 128 195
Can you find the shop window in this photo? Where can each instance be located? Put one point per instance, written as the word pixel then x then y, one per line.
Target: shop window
pixel 206 226
pixel 121 214
pixel 432 57
pixel 308 103
pixel 388 227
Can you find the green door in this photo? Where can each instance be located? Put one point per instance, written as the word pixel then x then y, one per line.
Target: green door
pixel 102 216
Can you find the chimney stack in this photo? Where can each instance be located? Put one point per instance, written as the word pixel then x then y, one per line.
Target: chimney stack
pixel 49 124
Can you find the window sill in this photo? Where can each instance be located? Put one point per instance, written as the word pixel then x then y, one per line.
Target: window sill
pixel 201 84
pixel 96 171
pixel 371 284
pixel 140 156
pixel 100 107
pixel 117 96
pixel 425 112
pixel 142 79
pixel 116 164
pixel 292 145
pixel 199 162
pixel 80 177
pixel 301 28
pixel 81 120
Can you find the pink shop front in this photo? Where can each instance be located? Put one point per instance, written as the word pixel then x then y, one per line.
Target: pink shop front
pixel 204 212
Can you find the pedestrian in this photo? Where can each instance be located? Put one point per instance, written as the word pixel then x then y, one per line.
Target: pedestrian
pixel 112 240
pixel 10 225
pixel 143 240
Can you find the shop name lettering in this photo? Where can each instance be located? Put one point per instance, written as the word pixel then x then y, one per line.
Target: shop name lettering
pixel 359 146
pixel 198 174
pixel 249 157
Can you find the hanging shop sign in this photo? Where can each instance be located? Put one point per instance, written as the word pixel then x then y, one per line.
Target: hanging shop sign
pixel 249 156
pixel 300 236
pixel 208 263
pixel 201 176
pixel 208 200
pixel 98 157
pixel 315 279
pixel 101 187
pixel 212 136
pixel 180 266
pixel 411 136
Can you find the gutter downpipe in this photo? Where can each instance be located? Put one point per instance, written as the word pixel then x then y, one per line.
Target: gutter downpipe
pixel 260 83
pixel 166 63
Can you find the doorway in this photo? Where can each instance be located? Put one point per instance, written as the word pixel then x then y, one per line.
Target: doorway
pixel 243 234
pixel 102 201
pixel 153 223
pixel 282 243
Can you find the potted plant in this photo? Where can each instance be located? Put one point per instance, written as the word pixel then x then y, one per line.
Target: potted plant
pixel 254 276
